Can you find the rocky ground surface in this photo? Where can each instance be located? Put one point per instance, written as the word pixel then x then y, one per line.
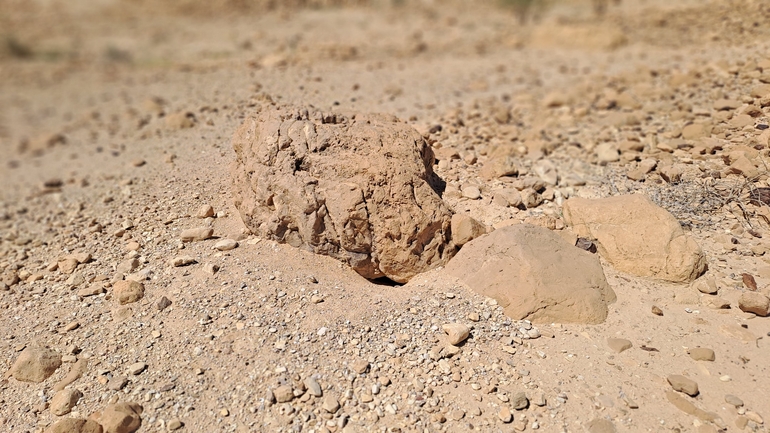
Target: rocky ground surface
pixel 134 296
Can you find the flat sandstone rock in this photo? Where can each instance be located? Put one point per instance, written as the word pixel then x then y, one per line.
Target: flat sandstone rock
pixel 535 274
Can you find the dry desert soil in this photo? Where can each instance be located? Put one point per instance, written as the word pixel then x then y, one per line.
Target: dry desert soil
pixel 116 126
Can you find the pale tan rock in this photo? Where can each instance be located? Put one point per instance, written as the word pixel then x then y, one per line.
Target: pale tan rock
pixel 181 261
pixel 196 234
pixel 92 290
pixel 760 91
pixel 754 302
pixel 357 188
pixel 637 236
pixel 738 332
pixel 205 211
pixel 127 291
pixel 683 384
pixel 330 404
pixel 706 284
pixel 68 265
pixel 743 166
pixel 600 425
pixel 465 229
pixel 695 131
pixel 120 418
pixel 619 345
pixel 505 415
pixel 175 424
pixel 360 366
pixel 226 244
pixel 533 273
pixel 74 425
pixel 499 166
pixel 456 332
pixel 715 302
pixel 35 364
pixel 180 120
pixel 507 197
pixel 670 173
pixel 64 400
pixel 741 121
pixel 702 354
pixel 726 104
pixel 283 394
pixel 607 152
pixel 685 406
pixel 530 198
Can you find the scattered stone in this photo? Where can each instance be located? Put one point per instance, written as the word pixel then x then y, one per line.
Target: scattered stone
pixel 174 424
pixel 313 387
pixel 749 282
pixel 76 371
pixel 137 368
pixel 196 234
pixel 182 261
pixel 205 211
pixel 121 418
pixel 683 384
pixel 318 192
pixel 695 131
pixel 456 333
pixel 586 244
pixel 180 120
pixel 35 364
pixel 360 366
pixel 117 383
pixel 499 166
pixel 465 229
pixel 706 285
pixel 685 406
pixel 127 291
pixel 657 311
pixel 210 268
pixel 733 400
pixel 753 416
pixel 330 404
pixel 600 425
pixel 546 170
pixel 637 236
pixel 606 153
pixel 68 265
pixel 754 302
pixel 471 192
pixel 619 344
pixel 92 290
pixel 520 401
pixel 514 265
pixel 283 394
pixel 687 296
pixel 702 354
pixel 75 425
pixel 715 302
pixel 163 303
pixel 505 415
pixel 508 197
pixel 226 245
pixel 64 400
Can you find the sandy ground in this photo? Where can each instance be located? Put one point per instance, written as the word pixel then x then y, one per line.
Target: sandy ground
pixel 115 127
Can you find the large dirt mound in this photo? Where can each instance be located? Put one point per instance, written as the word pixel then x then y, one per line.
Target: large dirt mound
pixel 355 187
